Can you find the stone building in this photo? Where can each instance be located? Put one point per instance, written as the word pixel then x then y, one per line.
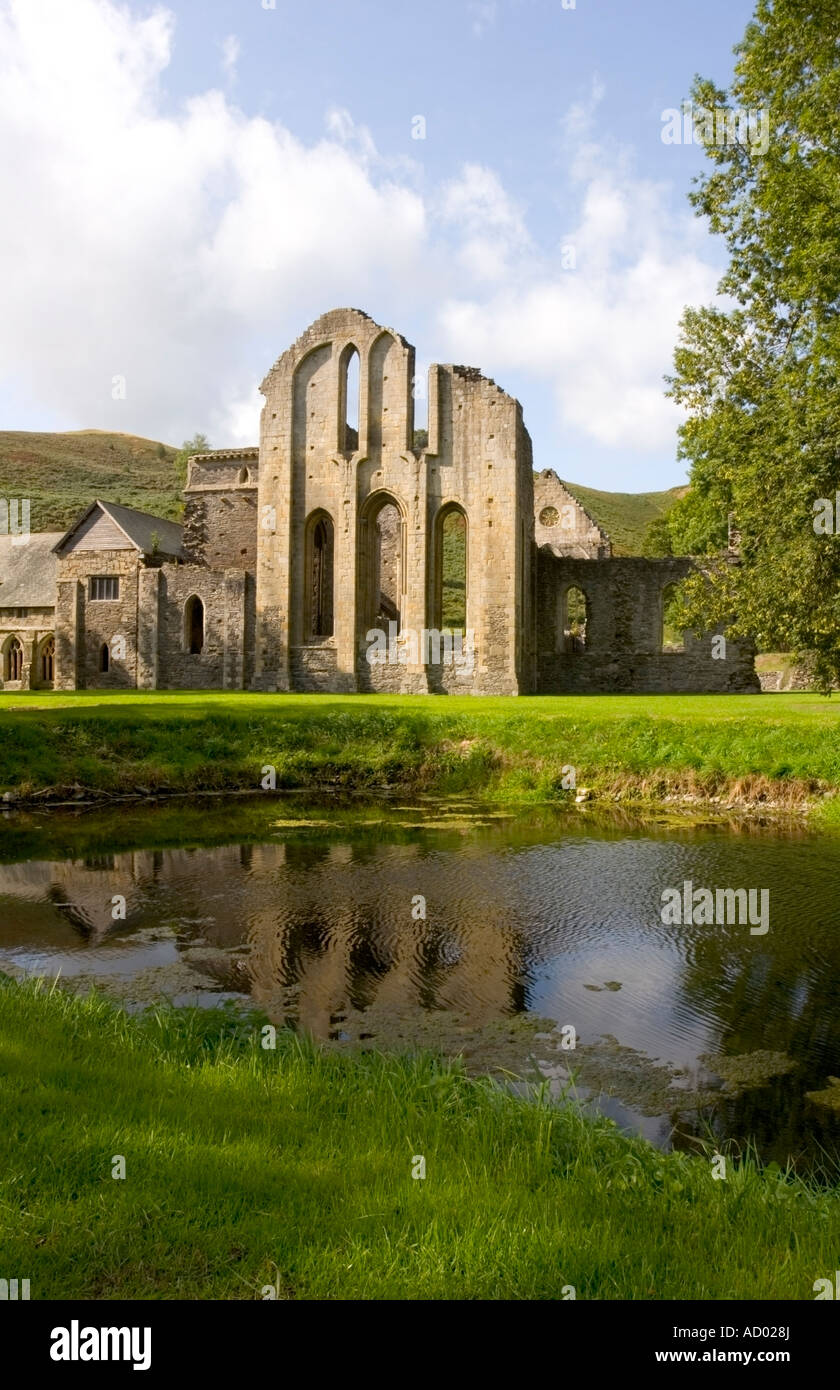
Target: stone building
pixel 27 611
pixel 350 552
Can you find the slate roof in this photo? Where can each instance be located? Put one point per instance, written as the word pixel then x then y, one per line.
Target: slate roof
pixel 139 527
pixel 28 572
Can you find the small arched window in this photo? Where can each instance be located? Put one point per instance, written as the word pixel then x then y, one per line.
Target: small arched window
pixel 104 657
pixel 244 476
pixel 47 671
pixel 194 625
pixel 13 661
pixel 575 620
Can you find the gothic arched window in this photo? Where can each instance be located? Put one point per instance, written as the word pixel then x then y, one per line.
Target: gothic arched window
pixel 320 566
pixel 13 661
pixel 47 660
pixel 194 625
pixel 451 576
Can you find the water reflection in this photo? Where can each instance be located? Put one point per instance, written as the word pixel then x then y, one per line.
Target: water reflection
pixel 565 924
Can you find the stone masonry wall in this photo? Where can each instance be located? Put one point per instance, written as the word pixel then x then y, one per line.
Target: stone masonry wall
pixel 220 511
pixel 32 627
pixel 83 625
pixel 228 599
pixel 561 523
pixel 623 648
pixel 254 519
pixel 482 462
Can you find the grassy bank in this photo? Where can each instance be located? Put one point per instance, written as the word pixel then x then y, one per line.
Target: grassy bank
pixel 778 749
pixel 245 1168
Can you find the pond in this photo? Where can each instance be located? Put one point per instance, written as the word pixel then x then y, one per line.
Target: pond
pixel 498 933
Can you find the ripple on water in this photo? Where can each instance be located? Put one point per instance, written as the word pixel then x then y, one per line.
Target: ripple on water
pixel 430 934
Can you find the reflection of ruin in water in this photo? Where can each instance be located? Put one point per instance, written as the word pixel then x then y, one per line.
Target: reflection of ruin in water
pixel 564 923
pixel 317 947
pixel 333 950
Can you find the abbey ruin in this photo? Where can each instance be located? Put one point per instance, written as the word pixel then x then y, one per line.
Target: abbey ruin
pixel 341 557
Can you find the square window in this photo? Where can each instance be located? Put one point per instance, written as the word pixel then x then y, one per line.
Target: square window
pixel 105 587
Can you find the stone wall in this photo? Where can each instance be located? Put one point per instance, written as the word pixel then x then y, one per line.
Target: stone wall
pixel 83 626
pixel 790 675
pixel 563 524
pixel 220 510
pixel 623 647
pixel 228 600
pixel 483 464
pixel 149 617
pixel 371 507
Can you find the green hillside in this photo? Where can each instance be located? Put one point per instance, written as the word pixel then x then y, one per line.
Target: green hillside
pixel 62 473
pixel 625 516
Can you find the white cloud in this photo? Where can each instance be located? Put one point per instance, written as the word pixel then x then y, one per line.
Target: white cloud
pixel 341 126
pixel 490 226
pixel 230 56
pixel 184 250
pixel 179 251
pixel 602 334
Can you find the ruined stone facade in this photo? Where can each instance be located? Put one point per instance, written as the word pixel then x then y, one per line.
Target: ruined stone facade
pixel 562 525
pixel 620 642
pixel 364 504
pixel 349 552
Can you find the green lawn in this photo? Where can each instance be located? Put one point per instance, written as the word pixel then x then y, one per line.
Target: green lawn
pixel 781 748
pixel 293 1168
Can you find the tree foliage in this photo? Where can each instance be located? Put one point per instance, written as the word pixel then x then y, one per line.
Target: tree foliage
pixel 758 371
pixel 656 542
pixel 199 444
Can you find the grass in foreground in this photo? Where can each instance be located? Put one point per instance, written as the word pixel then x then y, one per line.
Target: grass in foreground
pixel 247 1167
pixel 782 748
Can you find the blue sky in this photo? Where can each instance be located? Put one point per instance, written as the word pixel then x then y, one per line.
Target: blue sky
pixel 195 182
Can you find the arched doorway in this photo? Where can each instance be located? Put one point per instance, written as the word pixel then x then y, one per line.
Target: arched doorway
pixel 383 563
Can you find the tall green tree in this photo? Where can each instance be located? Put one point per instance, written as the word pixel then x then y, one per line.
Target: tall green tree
pixel 759 372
